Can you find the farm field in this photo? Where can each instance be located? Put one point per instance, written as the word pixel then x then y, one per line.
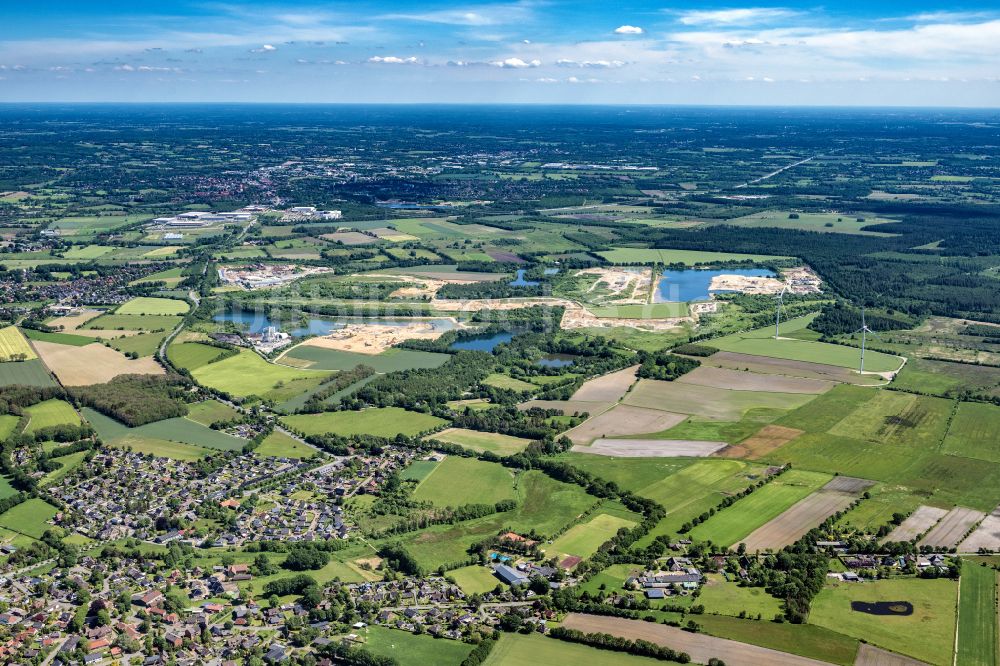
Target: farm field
pixel 583 539
pixel 50 413
pixel 28 373
pixel 7 424
pixel 29 518
pixel 92 364
pixel 606 388
pixel 623 420
pixel 533 649
pixel 130 322
pixel 208 412
pixel 928 634
pixel 69 463
pixel 708 402
pixel 280 445
pixel 751 381
pixel 837 223
pixel 318 358
pixel 170 277
pixel 412 650
pixel 735 522
pixel 144 305
pixel 918 522
pixel 59 338
pixel 651 448
pixel 624 255
pixel 270 380
pixel 193 355
pixel 143 344
pixel 456 481
pixel 380 422
pixel 119 435
pixel 952 527
pixel 973 432
pixel 977 616
pixel 502 445
pixel 13 346
pixel 807 640
pixel 767 365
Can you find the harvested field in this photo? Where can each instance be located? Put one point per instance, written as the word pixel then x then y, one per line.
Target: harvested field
pixel 13 346
pixel 918 522
pixel 651 448
pixel 350 238
pixel 751 381
pixel 701 647
pixel 780 366
pixel 987 535
pixel 952 528
pixel 793 524
pixel 70 323
pixel 92 364
pixel 869 655
pixel 567 407
pixel 708 402
pixel 767 439
pixel 607 388
pixel 624 420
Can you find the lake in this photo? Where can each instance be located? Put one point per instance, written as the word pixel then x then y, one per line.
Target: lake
pixel 519 280
pixel 693 284
pixel 556 360
pixel 486 343
pixel 256 322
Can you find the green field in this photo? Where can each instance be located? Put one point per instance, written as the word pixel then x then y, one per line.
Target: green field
pixel 941 378
pixel 729 598
pixel 6 490
pixel 741 518
pixel 648 311
pixel 87 252
pixel 144 344
pixel 28 373
pixel 58 338
pixel 269 380
pixel 7 424
pixel 823 222
pixel 928 634
pixel 973 432
pixel 380 422
pixel 390 360
pixel 170 276
pixel 193 355
pixel 413 650
pixel 507 382
pixel 144 305
pixel 13 346
pixel 977 616
pixel 584 539
pixel 626 255
pixel 280 445
pixel 69 463
pixel 502 445
pixel 178 438
pixel 807 640
pixel 133 322
pixel 418 470
pixel 761 342
pixel 208 412
pixel 456 481
pixel 29 518
pixel 709 402
pixel 475 579
pixel 534 649
pixel 51 413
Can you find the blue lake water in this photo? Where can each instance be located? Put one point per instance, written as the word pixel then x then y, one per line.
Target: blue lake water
pixel 555 360
pixel 693 285
pixel 486 343
pixel 519 280
pixel 255 322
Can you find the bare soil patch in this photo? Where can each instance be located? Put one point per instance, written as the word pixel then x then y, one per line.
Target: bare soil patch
pixel 91 364
pixel 918 522
pixel 738 380
pixel 869 655
pixel 952 528
pixel 607 388
pixel 701 647
pixel 651 448
pixel 624 420
pixel 350 238
pixel 779 366
pixel 987 535
pixel 768 439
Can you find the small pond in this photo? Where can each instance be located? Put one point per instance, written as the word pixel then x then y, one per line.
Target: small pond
pixel 556 360
pixel 486 343
pixel 519 280
pixel 693 285
pixel 883 607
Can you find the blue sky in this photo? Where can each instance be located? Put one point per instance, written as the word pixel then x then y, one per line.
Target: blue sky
pixel 536 51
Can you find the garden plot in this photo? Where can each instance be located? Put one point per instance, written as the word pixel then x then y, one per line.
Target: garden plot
pixel 624 420
pixel 918 522
pixel 986 536
pixel 606 388
pixel 751 381
pixel 955 525
pixel 793 524
pixel 651 448
pixel 701 647
pixel 92 364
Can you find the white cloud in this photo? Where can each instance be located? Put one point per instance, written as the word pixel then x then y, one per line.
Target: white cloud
pixel 629 30
pixel 393 60
pixel 591 64
pixel 516 63
pixel 745 16
pixel 547 79
pixel 266 48
pixel 484 15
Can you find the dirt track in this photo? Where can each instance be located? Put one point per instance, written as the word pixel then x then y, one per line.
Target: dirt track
pixel 918 522
pixel 700 646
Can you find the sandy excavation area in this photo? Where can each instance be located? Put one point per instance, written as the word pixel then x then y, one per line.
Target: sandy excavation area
pixel 374 338
pixel 91 364
pixel 747 284
pixel 627 285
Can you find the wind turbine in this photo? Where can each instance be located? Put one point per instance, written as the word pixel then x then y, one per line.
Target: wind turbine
pixel 864 331
pixel 777 310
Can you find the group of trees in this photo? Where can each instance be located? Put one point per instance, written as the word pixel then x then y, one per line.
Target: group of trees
pixel 137 399
pixel 665 366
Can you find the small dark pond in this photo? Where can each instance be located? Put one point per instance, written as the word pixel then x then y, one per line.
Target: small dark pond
pixel 883 607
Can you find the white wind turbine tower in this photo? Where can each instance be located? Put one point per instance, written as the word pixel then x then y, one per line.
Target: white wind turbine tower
pixel 777 310
pixel 864 331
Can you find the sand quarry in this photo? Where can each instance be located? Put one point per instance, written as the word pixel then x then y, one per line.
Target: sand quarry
pixel 375 338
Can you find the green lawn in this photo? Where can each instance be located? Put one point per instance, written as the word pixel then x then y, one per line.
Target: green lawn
pixel 502 445
pixel 457 481
pixel 6 490
pixel 623 255
pixel 535 650
pixel 499 381
pixel 418 470
pixel 741 518
pixel 29 518
pixel 280 445
pixel 475 579
pixel 973 432
pixel 144 305
pixel 412 650
pixel 208 412
pixel 248 374
pixel 728 598
pixel 51 413
pixel 928 634
pixel 380 422
pixel 7 424
pixel 977 616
